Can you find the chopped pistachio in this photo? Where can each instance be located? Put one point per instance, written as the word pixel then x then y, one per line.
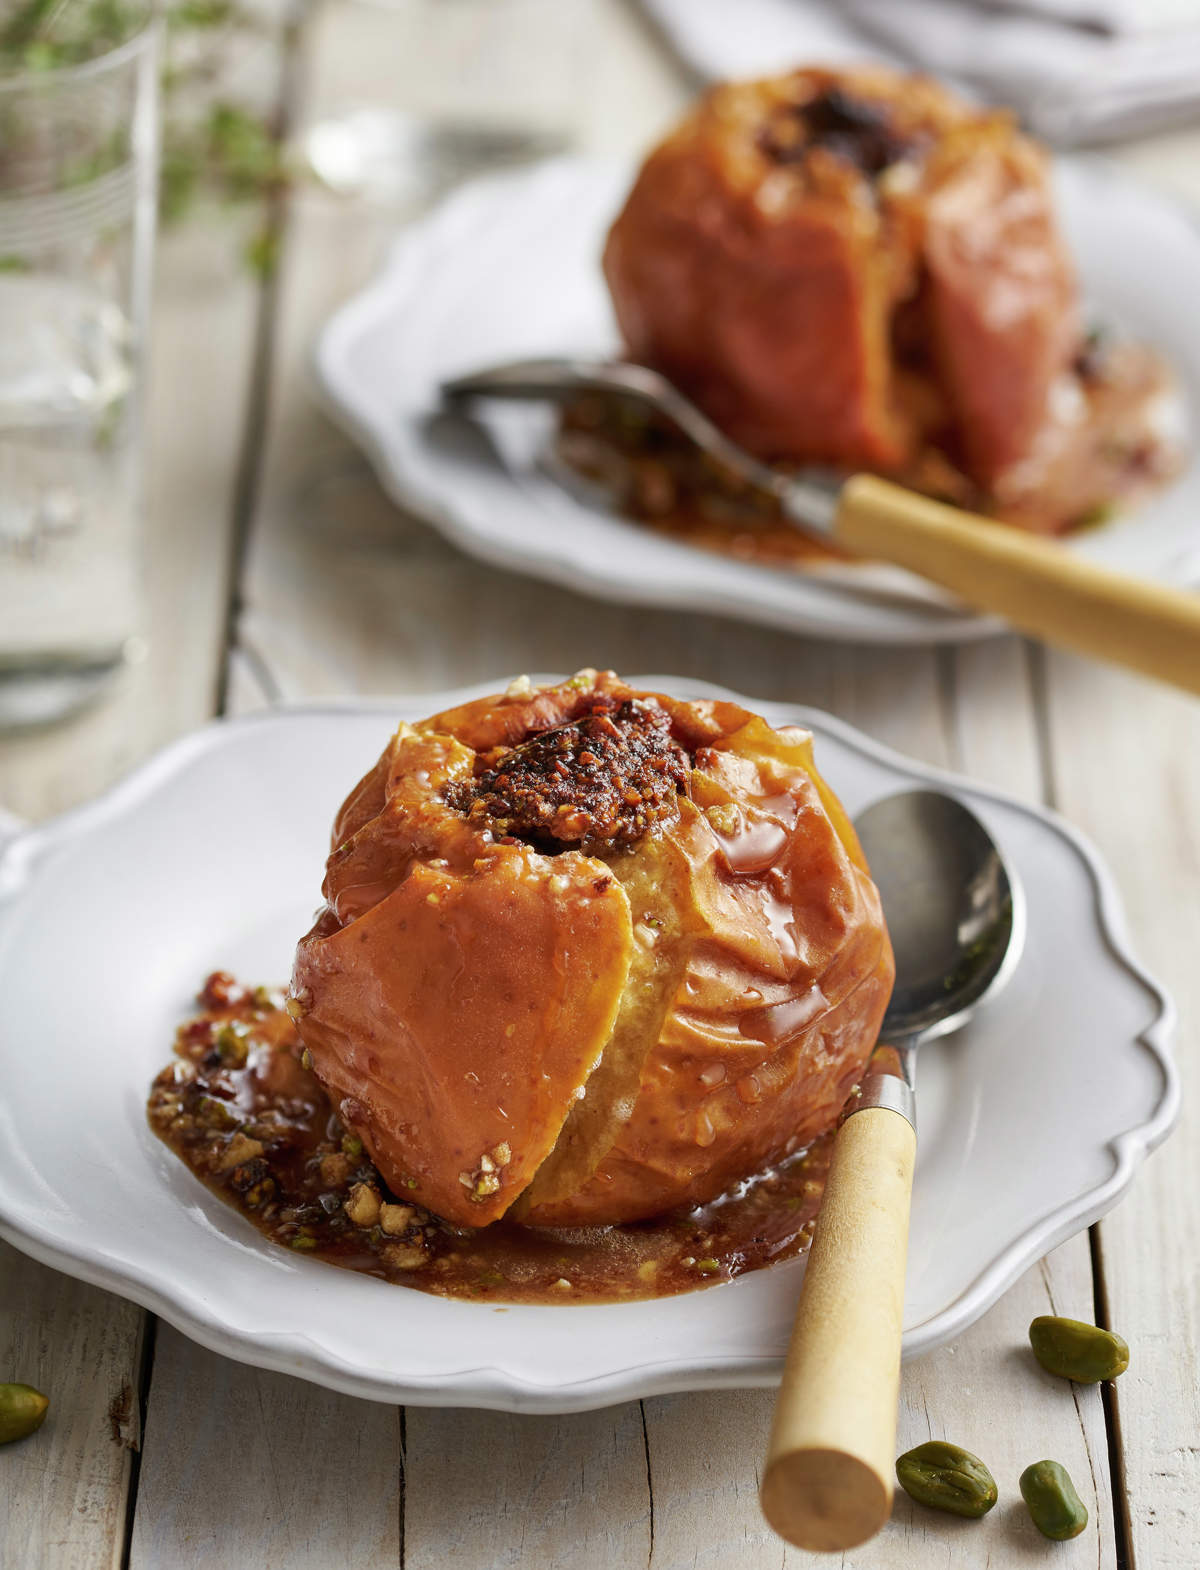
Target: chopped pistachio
pixel 231 1043
pixel 502 1155
pixel 352 1145
pixel 708 1267
pixel 302 1242
pixel 215 1113
pixel 306 1059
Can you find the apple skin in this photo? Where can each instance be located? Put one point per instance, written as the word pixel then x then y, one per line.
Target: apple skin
pixel 824 313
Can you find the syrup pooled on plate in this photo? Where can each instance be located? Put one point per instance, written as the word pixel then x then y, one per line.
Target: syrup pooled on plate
pixel 243 1111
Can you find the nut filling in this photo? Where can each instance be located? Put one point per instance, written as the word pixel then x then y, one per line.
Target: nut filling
pixel 851 128
pixel 260 1131
pixel 604 780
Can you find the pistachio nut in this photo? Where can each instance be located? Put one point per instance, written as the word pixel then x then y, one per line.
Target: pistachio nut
pixel 1057 1510
pixel 1078 1351
pixel 945 1477
pixel 22 1410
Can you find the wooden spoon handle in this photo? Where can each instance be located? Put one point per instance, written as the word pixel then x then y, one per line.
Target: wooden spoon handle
pixel 830 1466
pixel 1032 582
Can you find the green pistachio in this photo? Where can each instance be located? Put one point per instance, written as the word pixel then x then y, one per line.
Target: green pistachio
pixel 946 1477
pixel 1057 1511
pixel 22 1411
pixel 1078 1351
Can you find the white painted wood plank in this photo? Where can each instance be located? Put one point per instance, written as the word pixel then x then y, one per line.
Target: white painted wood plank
pixel 64 1487
pixel 243 1467
pixel 1126 765
pixel 492 1489
pixel 66 1506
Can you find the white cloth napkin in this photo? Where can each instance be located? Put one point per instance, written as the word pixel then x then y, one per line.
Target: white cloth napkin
pixel 1076 70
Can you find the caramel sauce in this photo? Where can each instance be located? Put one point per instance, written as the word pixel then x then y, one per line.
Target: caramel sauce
pixel 243 1111
pixel 1107 444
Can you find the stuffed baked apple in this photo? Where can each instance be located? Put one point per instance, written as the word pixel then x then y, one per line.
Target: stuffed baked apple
pixel 857 268
pixel 589 953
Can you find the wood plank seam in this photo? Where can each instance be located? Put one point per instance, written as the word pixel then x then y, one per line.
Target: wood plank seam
pixel 402 1491
pixel 248 477
pixel 649 1482
pixel 1112 1412
pixel 141 1399
pixel 257 668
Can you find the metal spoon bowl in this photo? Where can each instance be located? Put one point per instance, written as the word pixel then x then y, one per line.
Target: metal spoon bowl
pixel 954 911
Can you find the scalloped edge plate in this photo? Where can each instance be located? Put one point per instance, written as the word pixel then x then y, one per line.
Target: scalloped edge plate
pixel 509 265
pixel 1035 1118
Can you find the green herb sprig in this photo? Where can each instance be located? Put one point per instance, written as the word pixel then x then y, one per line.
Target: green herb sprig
pixel 212 144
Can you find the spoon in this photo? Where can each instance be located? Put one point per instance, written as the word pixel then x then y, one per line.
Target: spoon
pixel 956 919
pixel 1033 582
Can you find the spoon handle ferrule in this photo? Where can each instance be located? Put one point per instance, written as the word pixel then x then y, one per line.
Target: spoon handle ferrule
pixel 886 1090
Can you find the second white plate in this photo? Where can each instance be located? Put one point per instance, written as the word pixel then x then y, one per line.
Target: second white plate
pixel 509 266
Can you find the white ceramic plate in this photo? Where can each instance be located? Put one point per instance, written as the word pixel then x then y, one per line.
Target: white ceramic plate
pixel 510 266
pixel 1032 1122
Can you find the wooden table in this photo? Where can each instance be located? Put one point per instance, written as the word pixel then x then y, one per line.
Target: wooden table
pixel 279 571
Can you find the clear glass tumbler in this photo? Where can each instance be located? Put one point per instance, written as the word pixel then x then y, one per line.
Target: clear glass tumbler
pixel 78 175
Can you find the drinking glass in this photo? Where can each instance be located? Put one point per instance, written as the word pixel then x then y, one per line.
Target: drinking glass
pixel 78 173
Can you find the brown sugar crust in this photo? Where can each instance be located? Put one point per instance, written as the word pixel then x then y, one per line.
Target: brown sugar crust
pixel 635 1025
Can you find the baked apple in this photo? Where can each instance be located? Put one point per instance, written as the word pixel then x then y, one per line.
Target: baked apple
pixel 589 953
pixel 856 268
